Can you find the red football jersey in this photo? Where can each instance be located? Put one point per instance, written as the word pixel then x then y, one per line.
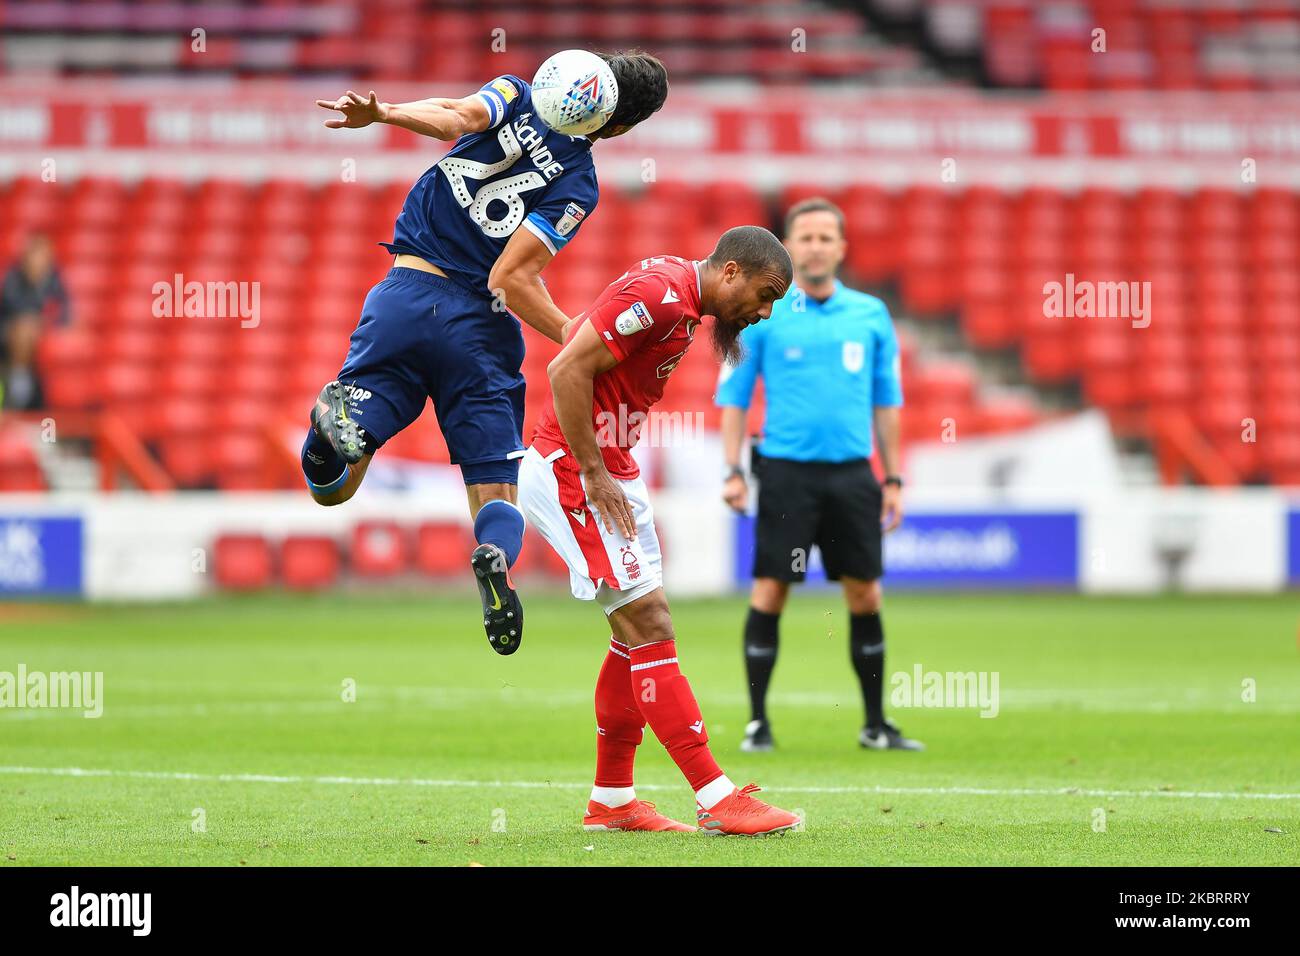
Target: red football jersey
pixel 647 317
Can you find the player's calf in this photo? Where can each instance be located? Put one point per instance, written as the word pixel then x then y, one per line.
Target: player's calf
pixel 668 705
pixel 497 519
pixel 338 493
pixel 499 529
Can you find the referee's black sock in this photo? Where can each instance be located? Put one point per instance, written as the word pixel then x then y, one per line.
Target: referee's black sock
pixel 867 649
pixel 760 658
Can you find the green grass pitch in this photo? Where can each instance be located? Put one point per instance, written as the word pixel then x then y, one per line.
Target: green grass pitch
pixel 1122 737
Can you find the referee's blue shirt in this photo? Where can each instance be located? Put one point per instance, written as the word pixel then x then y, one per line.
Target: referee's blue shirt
pixel 825 369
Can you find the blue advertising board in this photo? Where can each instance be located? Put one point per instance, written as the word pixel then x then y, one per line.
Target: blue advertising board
pixel 40 555
pixel 1293 547
pixel 1012 549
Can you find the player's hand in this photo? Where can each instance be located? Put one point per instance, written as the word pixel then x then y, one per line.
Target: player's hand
pixel 357 111
pixel 610 504
pixel 891 508
pixel 735 492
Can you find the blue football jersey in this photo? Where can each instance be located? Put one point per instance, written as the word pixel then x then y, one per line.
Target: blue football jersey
pixel 461 213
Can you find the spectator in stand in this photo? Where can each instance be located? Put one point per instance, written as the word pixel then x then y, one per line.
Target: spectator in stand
pixel 32 300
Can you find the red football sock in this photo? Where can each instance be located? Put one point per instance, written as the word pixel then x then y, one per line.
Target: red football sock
pixel 618 720
pixel 665 698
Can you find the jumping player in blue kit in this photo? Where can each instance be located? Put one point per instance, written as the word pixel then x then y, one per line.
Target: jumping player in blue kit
pixel 474 234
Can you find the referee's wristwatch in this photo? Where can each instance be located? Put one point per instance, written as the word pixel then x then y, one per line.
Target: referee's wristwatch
pixel 895 480
pixel 735 471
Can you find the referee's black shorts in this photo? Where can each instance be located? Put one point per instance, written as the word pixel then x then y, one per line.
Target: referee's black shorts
pixel 835 505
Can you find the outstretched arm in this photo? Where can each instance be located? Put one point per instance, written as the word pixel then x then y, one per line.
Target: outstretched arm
pixel 439 117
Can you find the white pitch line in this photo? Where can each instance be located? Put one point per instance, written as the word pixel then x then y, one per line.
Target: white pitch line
pixel 553 785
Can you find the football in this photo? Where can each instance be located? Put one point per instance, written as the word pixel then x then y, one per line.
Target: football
pixel 574 92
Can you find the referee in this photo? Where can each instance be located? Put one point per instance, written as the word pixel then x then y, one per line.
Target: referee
pixel 829 359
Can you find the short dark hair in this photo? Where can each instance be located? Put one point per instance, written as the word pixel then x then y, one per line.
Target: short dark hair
pixel 642 86
pixel 754 249
pixel 813 204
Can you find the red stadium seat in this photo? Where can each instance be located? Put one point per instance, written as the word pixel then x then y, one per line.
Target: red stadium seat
pixel 442 548
pixel 72 388
pixel 242 562
pixel 18 478
pixel 1224 264
pixel 22 469
pixel 189 459
pixel 380 549
pixel 239 461
pixel 309 562
pixel 67 348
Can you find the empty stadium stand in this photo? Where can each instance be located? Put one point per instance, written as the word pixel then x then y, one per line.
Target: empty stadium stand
pixel 1223 264
pixel 410 39
pixel 1223 268
pixel 1223 45
pixel 1167 45
pixel 171 376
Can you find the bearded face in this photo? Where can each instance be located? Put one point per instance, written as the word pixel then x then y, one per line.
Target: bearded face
pixel 725 337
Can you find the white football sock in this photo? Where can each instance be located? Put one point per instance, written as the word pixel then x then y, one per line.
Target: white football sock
pixel 711 794
pixel 613 796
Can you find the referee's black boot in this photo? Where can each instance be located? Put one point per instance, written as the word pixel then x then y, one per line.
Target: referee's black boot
pixel 758 737
pixel 887 737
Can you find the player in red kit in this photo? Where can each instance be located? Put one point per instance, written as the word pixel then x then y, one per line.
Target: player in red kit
pixel 580 487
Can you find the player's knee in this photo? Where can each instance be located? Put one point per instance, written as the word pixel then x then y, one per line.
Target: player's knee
pixel 480 494
pixel 657 627
pixel 647 620
pixel 496 491
pixel 491 481
pixel 769 595
pixel 863 597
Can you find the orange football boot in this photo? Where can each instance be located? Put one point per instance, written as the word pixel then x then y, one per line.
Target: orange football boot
pixel 743 815
pixel 635 815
